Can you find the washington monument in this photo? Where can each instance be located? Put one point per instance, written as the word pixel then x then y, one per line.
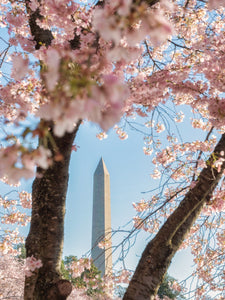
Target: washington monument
pixel 101 220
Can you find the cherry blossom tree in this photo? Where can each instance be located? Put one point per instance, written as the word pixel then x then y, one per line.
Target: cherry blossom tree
pixel 70 63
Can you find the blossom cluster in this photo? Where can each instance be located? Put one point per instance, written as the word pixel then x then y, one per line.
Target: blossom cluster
pixel 25 199
pixel 8 242
pixel 31 265
pixel 107 284
pixel 142 205
pixel 105 73
pixel 173 155
pixel 11 278
pixel 128 20
pixel 124 20
pixel 17 161
pixel 101 63
pixel 104 244
pixel 78 267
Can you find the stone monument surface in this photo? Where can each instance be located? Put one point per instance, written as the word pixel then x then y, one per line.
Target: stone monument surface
pixel 101 220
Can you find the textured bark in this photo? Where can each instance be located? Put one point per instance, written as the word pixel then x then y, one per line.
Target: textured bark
pixel 41 36
pixel 45 239
pixel 158 254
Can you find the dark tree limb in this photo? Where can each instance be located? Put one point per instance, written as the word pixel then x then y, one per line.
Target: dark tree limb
pixel 41 36
pixel 45 239
pixel 158 254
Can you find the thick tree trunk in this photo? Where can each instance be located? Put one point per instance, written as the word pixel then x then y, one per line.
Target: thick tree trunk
pixel 158 254
pixel 45 239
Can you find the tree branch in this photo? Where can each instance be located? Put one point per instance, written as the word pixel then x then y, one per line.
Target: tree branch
pixel 158 254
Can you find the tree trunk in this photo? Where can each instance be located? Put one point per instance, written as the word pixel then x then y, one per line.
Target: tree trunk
pixel 45 239
pixel 158 254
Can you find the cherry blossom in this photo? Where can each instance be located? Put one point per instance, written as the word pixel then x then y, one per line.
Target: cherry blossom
pixel 31 264
pixel 20 67
pixel 215 4
pixel 102 62
pixel 78 267
pixel 101 136
pixel 105 243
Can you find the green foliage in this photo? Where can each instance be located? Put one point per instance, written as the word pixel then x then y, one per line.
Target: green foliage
pixel 166 290
pixel 21 248
pixel 89 279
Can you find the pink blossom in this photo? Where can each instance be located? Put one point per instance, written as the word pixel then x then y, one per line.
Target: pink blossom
pixel 150 124
pixel 64 114
pixel 199 123
pixel 75 147
pixel 15 18
pixel 52 60
pixel 50 111
pixel 141 206
pixel 34 4
pixel 79 266
pixel 32 264
pixel 147 150
pixel 159 127
pixel 105 105
pixel 193 184
pixel 11 277
pixel 122 134
pixel 124 277
pixel 167 5
pixel 156 174
pixel 25 199
pixel 63 125
pixel 138 222
pixel 28 161
pixel 105 243
pixel 20 67
pixel 124 7
pixel 127 54
pixel 202 163
pixel 179 118
pixel 107 26
pixel 42 157
pixel 175 286
pixel 78 295
pixel 101 135
pixel 214 4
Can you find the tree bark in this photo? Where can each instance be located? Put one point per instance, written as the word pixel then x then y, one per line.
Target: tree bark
pixel 158 254
pixel 45 239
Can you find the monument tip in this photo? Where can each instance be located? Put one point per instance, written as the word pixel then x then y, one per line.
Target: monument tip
pixel 101 167
pixel 102 160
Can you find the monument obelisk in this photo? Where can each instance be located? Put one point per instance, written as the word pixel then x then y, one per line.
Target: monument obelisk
pixel 101 220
